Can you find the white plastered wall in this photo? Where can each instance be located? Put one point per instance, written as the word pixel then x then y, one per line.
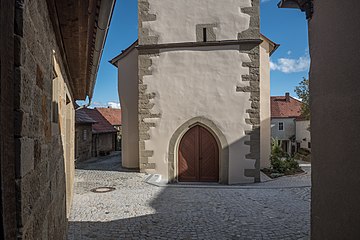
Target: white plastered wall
pixel 265 112
pixel 200 82
pixel 303 134
pixel 289 128
pixel 129 95
pixel 177 20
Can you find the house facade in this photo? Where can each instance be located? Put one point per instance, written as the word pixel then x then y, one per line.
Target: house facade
pixel 83 135
pixel 103 133
pixel 287 124
pixel 113 116
pixel 49 59
pixel 303 136
pixel 191 95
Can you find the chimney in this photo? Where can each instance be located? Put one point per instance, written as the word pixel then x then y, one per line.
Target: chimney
pixel 287 97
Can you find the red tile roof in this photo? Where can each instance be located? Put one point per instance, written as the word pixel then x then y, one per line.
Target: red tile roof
pixel 113 115
pixel 280 108
pixel 101 125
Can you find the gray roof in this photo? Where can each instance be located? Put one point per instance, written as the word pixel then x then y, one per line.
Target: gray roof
pixel 82 118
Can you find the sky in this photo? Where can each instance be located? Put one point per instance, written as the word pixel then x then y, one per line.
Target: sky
pixel 287 27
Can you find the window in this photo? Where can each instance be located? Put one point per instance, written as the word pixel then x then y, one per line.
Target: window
pixel 55 98
pixel 309 145
pixel 281 126
pixel 204 34
pixel 85 135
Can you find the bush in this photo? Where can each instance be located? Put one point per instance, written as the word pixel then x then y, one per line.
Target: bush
pixel 281 162
pixel 303 154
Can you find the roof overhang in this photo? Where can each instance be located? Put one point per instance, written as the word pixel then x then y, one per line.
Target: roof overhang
pixel 124 53
pixel 273 46
pixel 289 3
pixel 81 27
pixel 304 5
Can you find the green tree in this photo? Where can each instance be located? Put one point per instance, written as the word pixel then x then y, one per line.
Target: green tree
pixel 303 92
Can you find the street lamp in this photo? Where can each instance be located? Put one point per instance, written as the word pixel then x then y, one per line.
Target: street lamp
pixel 304 5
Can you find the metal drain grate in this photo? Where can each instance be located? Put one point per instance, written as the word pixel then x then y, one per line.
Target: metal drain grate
pixel 103 189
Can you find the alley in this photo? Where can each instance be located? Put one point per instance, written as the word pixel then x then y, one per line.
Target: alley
pixel 277 209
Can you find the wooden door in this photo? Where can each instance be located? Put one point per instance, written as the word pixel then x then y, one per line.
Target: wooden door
pixel 198 157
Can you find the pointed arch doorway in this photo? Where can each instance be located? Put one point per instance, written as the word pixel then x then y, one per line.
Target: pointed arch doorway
pixel 198 156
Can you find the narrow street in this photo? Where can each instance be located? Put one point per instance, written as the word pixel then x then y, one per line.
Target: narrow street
pixel 138 210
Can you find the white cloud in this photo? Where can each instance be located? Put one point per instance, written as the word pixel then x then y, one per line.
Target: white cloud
pixel 289 52
pixel 114 105
pixel 105 105
pixel 98 105
pixel 289 65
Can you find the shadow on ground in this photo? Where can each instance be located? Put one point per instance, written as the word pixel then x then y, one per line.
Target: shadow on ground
pixel 137 210
pixel 111 162
pixel 209 214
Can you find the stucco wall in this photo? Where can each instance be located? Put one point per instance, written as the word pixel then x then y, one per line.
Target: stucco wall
pixel 303 135
pixel 289 128
pixel 200 82
pixel 335 117
pixel 105 142
pixel 44 147
pixel 265 112
pixel 128 86
pixel 219 83
pixel 226 15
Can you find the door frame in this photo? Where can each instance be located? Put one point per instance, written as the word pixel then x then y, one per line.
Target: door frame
pixel 217 134
pixel 199 140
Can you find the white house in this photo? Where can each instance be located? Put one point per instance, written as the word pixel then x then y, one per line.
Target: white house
pixel 195 92
pixel 303 136
pixel 287 124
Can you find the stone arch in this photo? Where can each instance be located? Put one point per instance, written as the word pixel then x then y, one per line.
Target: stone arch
pixel 218 135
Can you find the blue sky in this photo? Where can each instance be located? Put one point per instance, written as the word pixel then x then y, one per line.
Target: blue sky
pixel 286 27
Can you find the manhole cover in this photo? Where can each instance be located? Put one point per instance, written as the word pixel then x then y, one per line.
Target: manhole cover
pixel 103 189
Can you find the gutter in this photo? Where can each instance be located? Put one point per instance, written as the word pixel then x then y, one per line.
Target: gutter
pixel 102 27
pixel 275 48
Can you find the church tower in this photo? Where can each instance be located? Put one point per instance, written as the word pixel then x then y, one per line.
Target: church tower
pixel 195 92
pixel 199 90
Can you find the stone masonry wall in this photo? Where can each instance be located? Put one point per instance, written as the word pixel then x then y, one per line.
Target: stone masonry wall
pixel 254 89
pixel 145 105
pixel 40 147
pixel 83 151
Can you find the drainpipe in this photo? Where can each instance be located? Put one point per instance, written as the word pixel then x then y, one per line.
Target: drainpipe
pixel 102 25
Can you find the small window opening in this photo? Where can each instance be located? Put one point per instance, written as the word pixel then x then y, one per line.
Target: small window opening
pixel 205 34
pixel 54 104
pixel 85 135
pixel 67 100
pixel 281 126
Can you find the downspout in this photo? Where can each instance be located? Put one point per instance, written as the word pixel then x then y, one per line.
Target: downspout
pixel 102 26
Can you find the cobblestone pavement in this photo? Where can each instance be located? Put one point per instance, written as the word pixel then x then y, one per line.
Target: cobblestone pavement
pixel 137 210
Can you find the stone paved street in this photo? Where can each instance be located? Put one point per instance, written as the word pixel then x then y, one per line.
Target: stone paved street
pixel 138 210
